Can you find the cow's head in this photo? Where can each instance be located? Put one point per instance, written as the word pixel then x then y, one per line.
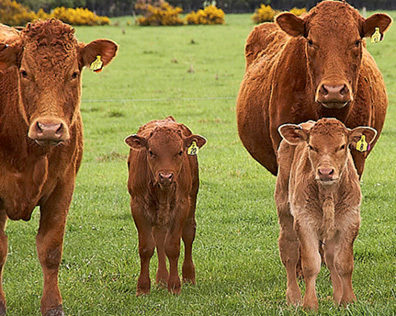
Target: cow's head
pixel 328 142
pixel 50 60
pixel 166 149
pixel 333 33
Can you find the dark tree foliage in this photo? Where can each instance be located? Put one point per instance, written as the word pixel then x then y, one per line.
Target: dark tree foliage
pixel 125 7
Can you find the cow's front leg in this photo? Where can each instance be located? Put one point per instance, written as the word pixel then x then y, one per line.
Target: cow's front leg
pixel 3 257
pixel 172 246
pixel 49 242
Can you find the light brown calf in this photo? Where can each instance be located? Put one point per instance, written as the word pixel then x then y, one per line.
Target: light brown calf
pixel 163 184
pixel 318 198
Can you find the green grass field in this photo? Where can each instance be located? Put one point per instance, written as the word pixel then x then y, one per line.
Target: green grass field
pixel 236 253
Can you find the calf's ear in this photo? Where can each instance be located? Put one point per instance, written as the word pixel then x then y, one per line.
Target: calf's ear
pixel 199 140
pixel 9 55
pixel 293 134
pixel 380 20
pixel 136 142
pixel 356 134
pixel 104 48
pixel 291 24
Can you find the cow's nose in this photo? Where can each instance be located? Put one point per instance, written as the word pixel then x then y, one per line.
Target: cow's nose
pixel 325 174
pixel 48 131
pixel 165 178
pixel 334 96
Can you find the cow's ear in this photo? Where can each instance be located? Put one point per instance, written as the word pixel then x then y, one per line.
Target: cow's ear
pixel 9 55
pixel 291 24
pixel 136 142
pixel 355 135
pixel 378 20
pixel 293 134
pixel 98 54
pixel 199 140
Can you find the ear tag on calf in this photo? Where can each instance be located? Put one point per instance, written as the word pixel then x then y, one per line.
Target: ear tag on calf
pixel 97 64
pixel 362 145
pixel 193 149
pixel 376 37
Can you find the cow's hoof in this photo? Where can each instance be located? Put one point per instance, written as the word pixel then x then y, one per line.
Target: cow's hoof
pixel 57 311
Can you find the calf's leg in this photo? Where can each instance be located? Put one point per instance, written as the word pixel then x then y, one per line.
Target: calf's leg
pixel 310 261
pixel 344 264
pixel 146 250
pixel 331 250
pixel 188 235
pixel 289 250
pixel 162 272
pixel 3 258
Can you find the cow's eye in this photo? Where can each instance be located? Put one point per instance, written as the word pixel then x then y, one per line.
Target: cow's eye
pixel 310 43
pixel 311 148
pixel 151 153
pixel 342 147
pixel 357 43
pixel 180 153
pixel 74 75
pixel 24 74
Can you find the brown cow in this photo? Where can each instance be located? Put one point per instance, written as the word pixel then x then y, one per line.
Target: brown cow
pixel 299 69
pixel 318 198
pixel 41 136
pixel 163 184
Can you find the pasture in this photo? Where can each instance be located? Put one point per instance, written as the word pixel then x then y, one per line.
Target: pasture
pixel 193 73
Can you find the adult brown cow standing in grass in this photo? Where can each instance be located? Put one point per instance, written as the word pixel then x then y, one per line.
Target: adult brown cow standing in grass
pixel 163 184
pixel 41 138
pixel 299 69
pixel 318 200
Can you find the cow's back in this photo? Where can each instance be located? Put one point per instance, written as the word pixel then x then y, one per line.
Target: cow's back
pixel 265 45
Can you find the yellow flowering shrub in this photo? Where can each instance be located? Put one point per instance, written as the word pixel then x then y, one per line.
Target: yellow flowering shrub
pixel 15 14
pixel 79 16
pixel 297 11
pixel 209 15
pixel 159 13
pixel 266 14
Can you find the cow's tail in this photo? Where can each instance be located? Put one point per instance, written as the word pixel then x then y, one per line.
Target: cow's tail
pixel 328 218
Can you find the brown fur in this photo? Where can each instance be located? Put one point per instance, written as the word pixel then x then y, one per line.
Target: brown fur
pixel 164 210
pixel 315 207
pixel 37 87
pixel 286 72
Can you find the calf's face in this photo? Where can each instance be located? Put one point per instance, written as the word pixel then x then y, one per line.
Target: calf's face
pixel 166 150
pixel 49 60
pixel 328 142
pixel 333 33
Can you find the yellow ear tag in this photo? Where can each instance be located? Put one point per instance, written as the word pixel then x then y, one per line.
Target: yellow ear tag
pixel 376 37
pixel 97 64
pixel 193 149
pixel 362 145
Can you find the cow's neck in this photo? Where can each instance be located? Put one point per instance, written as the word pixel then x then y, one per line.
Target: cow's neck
pixel 165 198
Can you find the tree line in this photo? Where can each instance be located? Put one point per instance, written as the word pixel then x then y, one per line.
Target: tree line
pixel 126 7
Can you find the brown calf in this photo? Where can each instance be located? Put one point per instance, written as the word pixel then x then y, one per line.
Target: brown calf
pixel 318 198
pixel 41 140
pixel 163 184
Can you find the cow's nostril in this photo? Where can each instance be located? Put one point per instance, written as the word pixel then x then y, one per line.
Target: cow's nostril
pixel 39 127
pixel 323 90
pixel 344 90
pixel 59 131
